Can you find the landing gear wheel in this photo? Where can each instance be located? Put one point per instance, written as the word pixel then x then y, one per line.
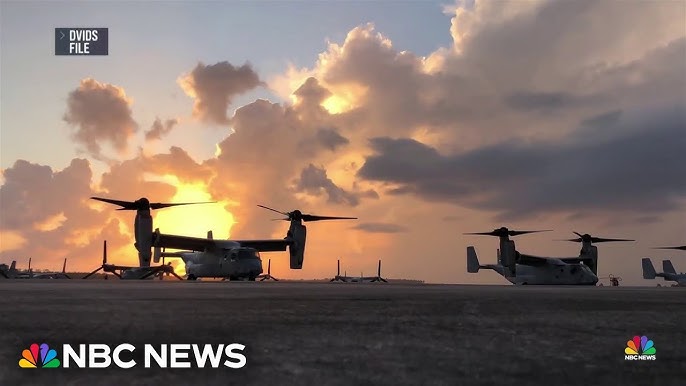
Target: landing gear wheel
pixel 192 277
pixel 251 278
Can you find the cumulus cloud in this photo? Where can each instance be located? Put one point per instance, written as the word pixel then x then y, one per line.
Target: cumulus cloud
pixel 160 129
pixel 178 163
pixel 584 172
pixel 326 138
pixel 214 86
pixel 314 180
pixel 32 193
pixel 100 112
pixel 49 207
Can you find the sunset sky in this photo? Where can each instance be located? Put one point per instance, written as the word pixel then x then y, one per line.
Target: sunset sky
pixel 423 119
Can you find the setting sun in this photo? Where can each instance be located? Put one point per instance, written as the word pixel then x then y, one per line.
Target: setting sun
pixel 195 220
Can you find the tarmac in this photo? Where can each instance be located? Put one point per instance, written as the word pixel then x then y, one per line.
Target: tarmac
pixel 301 333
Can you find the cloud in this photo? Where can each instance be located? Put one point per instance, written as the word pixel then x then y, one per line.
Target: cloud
pixel 326 138
pixel 159 129
pixel 101 112
pixel 378 227
pixel 545 101
pixel 314 180
pixel 179 164
pixel 609 118
pixel 50 207
pixel 579 174
pixel 33 193
pixel 214 86
pixel 330 139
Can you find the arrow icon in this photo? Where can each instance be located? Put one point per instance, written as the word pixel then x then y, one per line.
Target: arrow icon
pixel 63 35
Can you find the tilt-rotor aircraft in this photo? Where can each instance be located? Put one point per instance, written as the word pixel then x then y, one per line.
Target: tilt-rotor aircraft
pixel 668 271
pixel 9 272
pixel 519 268
pixel 358 279
pixel 143 234
pixel 12 272
pixel 237 259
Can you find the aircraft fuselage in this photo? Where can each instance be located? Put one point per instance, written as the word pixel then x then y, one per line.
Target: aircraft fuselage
pixel 233 263
pixel 552 274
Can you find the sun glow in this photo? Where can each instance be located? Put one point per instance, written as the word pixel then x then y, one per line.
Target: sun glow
pixel 344 98
pixel 195 220
pixel 335 104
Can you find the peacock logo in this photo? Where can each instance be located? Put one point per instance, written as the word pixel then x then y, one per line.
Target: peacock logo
pixel 640 348
pixel 39 356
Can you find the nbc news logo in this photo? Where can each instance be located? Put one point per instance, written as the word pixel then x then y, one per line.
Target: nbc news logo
pixel 163 356
pixel 640 349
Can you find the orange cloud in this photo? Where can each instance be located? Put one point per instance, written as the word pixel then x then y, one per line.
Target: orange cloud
pixel 101 112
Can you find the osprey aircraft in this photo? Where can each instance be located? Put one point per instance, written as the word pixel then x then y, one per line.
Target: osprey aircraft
pixel 143 236
pixel 9 272
pixel 520 269
pixel 12 272
pixel 132 273
pixel 358 279
pixel 237 259
pixel 668 272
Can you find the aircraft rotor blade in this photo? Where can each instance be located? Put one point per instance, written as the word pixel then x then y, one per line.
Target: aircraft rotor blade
pixel 503 232
pixel 588 238
pixel 159 205
pixel 517 233
pixel 297 214
pixel 603 240
pixel 311 217
pixel 273 210
pixel 92 273
pixel 679 248
pixel 125 205
pixel 144 203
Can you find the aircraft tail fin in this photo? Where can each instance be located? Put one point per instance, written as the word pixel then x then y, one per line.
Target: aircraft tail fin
pixel 13 267
pixel 648 269
pixel 472 260
pixel 297 234
pixel 209 235
pixel 667 267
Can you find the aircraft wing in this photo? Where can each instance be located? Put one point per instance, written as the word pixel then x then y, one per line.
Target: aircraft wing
pixel 182 242
pixel 202 244
pixel 576 260
pixel 272 245
pixel 533 260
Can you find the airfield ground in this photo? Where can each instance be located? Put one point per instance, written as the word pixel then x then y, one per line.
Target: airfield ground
pixel 342 333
